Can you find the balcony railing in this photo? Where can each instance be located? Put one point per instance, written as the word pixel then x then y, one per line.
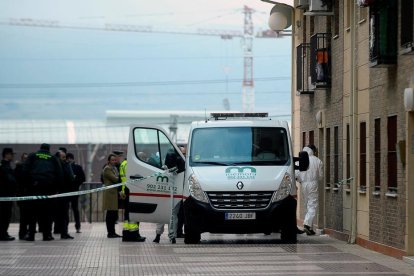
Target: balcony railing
pixel 313 64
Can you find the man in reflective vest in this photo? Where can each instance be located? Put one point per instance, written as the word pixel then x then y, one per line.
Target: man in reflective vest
pixel 131 229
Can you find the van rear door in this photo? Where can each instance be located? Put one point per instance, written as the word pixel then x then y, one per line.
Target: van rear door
pixel 154 191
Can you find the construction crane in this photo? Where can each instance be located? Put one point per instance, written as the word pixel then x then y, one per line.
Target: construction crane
pixel 248 82
pixel 248 35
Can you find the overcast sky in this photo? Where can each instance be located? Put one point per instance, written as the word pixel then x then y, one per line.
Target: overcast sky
pixel 135 65
pixel 156 12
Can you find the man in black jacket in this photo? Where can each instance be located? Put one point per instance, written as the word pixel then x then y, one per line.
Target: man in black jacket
pixel 62 203
pixel 21 191
pixel 79 178
pixel 8 187
pixel 44 175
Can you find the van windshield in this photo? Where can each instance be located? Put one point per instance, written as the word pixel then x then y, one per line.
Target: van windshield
pixel 228 146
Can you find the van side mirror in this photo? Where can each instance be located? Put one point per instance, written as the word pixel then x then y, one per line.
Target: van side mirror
pixel 180 164
pixel 303 160
pixel 173 159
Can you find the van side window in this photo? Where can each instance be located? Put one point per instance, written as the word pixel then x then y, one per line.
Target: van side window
pixel 153 147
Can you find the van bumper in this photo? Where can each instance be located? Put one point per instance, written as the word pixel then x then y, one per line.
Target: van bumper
pixel 278 216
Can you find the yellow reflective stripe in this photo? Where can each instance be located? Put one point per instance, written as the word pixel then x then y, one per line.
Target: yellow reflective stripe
pixel 122 171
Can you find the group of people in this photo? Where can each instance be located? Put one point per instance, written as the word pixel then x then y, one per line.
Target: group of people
pixel 40 173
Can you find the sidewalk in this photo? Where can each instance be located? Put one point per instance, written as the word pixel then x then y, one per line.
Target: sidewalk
pixel 91 253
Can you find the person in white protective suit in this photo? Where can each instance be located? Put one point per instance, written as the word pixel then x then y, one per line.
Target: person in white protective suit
pixel 172 226
pixel 309 181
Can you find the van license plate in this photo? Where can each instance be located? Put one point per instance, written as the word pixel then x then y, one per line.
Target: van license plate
pixel 236 216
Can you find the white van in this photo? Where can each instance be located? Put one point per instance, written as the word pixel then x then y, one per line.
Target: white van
pixel 238 176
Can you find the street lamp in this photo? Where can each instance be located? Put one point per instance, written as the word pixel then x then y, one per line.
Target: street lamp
pixel 280 16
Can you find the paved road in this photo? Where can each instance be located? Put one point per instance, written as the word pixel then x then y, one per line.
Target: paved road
pixel 91 253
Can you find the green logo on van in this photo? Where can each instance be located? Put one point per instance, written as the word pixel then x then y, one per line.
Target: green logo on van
pixel 241 172
pixel 162 178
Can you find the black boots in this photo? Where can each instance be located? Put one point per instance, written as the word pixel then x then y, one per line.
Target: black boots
pixel 157 238
pixel 308 230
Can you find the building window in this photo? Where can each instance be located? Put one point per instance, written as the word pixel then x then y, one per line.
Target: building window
pixel 362 156
pixel 347 15
pixel 303 85
pixel 311 25
pixel 320 60
pixel 377 154
pixel 311 138
pixel 328 158
pixel 392 153
pixel 407 23
pixel 336 18
pixel 304 19
pixel 383 33
pixel 336 156
pixel 348 155
pixel 303 139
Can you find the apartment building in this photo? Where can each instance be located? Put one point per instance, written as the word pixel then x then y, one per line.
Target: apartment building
pixel 352 96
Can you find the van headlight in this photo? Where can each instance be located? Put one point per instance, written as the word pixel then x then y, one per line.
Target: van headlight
pixel 195 189
pixel 285 188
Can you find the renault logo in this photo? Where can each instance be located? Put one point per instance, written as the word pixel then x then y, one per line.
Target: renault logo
pixel 239 185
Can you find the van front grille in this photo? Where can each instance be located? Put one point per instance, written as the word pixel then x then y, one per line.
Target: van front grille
pixel 239 200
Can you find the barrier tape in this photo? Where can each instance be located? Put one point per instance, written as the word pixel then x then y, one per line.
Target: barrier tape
pixel 36 197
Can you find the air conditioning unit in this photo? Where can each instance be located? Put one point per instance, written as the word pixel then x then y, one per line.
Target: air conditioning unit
pixel 302 4
pixel 317 6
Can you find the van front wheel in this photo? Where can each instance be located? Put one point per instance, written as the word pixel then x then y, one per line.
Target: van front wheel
pixel 192 236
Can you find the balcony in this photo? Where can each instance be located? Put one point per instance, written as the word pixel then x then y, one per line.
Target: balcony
pixel 383 35
pixel 313 64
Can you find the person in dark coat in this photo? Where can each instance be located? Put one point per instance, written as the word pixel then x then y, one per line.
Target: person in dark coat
pixel 79 178
pixel 110 197
pixel 62 203
pixel 21 191
pixel 8 187
pixel 44 175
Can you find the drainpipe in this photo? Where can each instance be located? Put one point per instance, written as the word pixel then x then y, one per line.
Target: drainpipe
pixel 354 129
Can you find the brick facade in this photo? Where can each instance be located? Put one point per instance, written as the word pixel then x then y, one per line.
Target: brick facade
pixel 381 213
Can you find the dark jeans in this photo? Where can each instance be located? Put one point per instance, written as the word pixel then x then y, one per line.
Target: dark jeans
pixel 62 219
pixel 5 216
pixel 111 218
pixel 40 211
pixel 74 204
pixel 24 218
pixel 180 222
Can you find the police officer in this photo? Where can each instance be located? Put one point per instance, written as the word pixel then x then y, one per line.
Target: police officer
pixel 21 191
pixel 44 175
pixel 63 203
pixel 8 187
pixel 79 178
